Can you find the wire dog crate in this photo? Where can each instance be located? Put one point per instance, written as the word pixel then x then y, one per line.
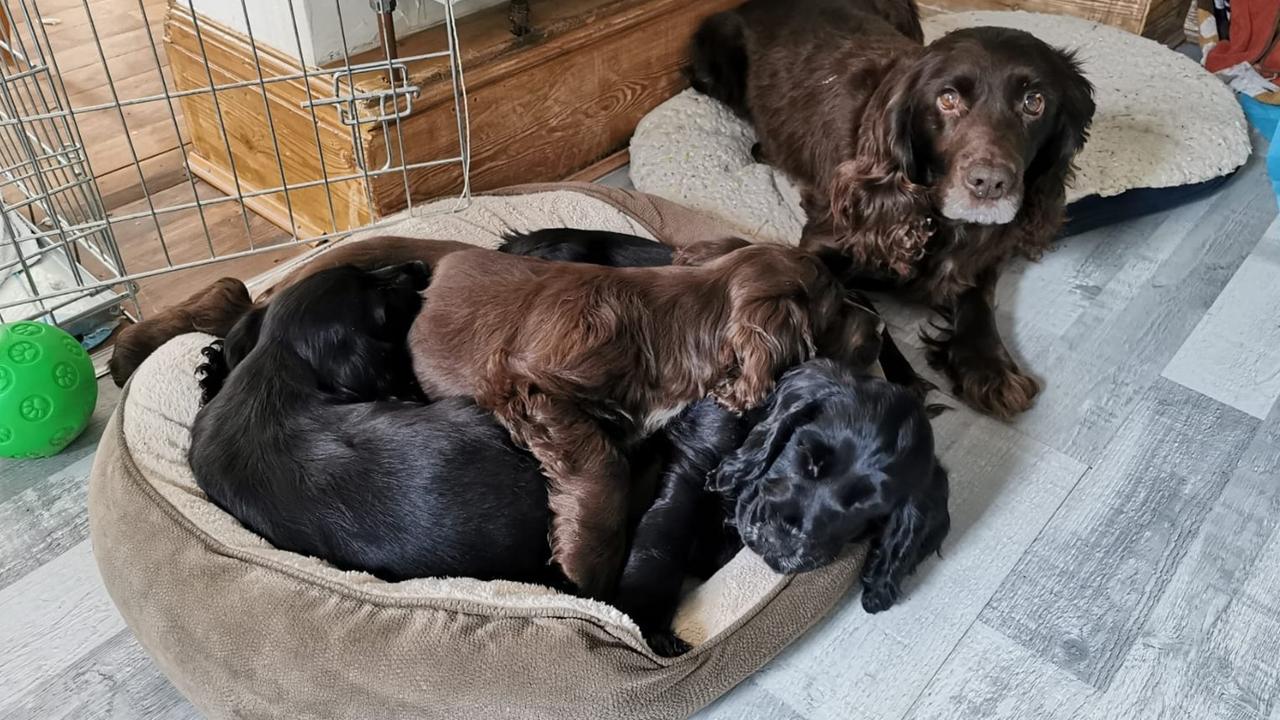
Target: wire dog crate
pixel 130 152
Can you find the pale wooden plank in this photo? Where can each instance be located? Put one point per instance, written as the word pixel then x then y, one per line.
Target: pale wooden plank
pixel 1233 355
pixel 748 701
pixel 51 618
pixel 1210 647
pixel 1097 369
pixel 44 521
pixel 989 676
pixel 17 476
pixel 1004 488
pixel 116 681
pixel 1080 595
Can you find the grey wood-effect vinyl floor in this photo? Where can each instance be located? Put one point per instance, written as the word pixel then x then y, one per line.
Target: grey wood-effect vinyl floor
pixel 1114 552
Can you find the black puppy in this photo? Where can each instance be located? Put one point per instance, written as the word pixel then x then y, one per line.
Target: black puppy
pixel 304 445
pixel 833 458
pixel 836 458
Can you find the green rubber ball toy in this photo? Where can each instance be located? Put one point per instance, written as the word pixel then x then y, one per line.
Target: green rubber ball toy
pixel 47 390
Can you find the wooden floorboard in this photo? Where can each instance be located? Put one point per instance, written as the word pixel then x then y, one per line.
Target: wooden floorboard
pixel 990 677
pixel 49 620
pixel 115 680
pixel 1082 592
pixel 1233 355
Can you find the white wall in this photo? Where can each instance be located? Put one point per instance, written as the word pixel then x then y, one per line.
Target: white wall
pixel 318 28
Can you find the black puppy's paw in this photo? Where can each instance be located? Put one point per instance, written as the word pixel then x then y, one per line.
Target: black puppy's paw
pixel 211 373
pixel 879 596
pixel 667 644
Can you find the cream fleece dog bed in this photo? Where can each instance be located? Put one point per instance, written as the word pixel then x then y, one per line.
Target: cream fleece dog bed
pixel 692 150
pixel 245 630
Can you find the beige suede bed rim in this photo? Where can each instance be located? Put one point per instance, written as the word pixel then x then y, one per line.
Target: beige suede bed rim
pixel 467 607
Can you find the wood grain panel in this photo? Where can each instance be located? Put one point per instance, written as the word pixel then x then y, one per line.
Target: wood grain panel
pixel 1157 19
pixel 1082 592
pixel 50 618
pixel 244 117
pixel 1233 355
pixel 43 522
pixel 1209 649
pixel 583 110
pixel 542 108
pixel 116 681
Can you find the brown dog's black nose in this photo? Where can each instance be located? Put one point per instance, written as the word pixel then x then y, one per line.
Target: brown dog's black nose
pixel 987 182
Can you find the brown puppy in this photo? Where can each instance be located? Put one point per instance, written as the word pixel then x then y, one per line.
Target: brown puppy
pixel 578 361
pixel 930 166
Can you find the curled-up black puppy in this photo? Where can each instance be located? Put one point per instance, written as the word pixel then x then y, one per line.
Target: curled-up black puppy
pixel 303 443
pixel 834 457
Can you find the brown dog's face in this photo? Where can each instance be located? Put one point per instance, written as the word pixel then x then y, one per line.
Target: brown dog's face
pixel 988 105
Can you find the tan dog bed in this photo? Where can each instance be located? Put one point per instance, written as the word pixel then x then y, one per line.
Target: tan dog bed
pixel 248 631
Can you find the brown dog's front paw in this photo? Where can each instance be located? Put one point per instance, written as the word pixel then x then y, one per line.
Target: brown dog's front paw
pixel 998 389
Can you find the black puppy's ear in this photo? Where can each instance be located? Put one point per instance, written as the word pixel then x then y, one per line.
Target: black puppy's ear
pixel 411 275
pixel 837 263
pixel 795 402
pixel 243 336
pixel 914 531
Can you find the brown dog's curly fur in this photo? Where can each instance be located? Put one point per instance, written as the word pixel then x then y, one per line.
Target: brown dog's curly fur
pixel 579 361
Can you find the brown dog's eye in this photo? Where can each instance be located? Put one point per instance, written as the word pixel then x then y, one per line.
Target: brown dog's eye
pixel 949 101
pixel 1033 103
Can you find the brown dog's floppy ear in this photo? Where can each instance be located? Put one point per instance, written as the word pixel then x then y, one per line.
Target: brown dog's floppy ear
pixel 880 214
pixel 767 334
pixel 1044 202
pixel 1073 117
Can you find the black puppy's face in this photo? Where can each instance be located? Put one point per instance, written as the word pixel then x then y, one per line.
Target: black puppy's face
pixel 349 325
pixel 826 466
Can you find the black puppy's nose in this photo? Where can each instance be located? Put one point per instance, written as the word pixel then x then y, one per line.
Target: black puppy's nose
pixel 987 182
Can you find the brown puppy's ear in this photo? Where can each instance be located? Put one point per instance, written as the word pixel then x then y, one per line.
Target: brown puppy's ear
pixel 701 253
pixel 767 335
pixel 881 215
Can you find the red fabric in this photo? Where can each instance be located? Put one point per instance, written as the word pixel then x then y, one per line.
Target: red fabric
pixel 1253 31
